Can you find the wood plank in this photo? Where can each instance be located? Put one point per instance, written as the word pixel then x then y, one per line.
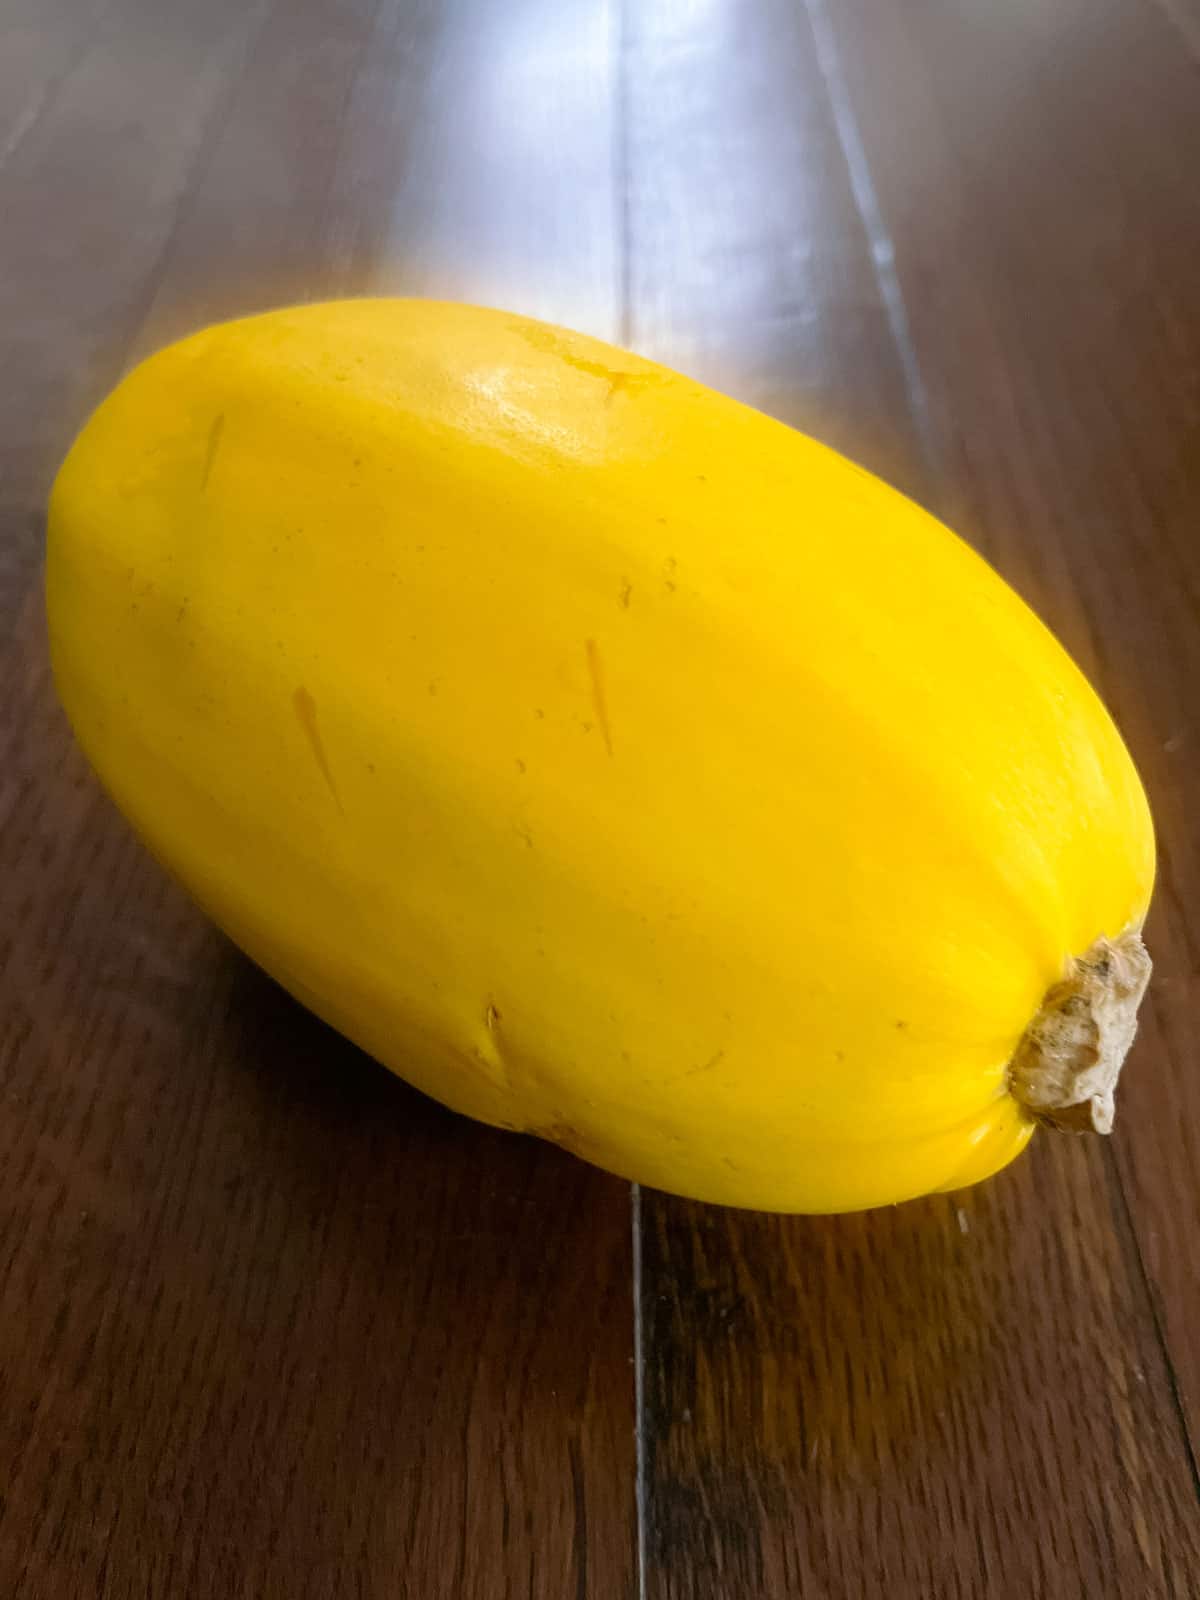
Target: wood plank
pixel 470 158
pixel 98 165
pixel 747 260
pixel 327 88
pixel 41 44
pixel 272 1324
pixel 1184 16
pixel 510 197
pixel 967 1395
pixel 1067 347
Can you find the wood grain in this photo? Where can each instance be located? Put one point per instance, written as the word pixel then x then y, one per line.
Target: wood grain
pixel 969 1396
pixel 270 1323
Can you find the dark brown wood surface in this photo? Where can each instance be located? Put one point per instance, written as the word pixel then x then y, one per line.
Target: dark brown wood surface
pixel 271 1324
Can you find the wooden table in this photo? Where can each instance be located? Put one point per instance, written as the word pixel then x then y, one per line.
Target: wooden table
pixel 272 1325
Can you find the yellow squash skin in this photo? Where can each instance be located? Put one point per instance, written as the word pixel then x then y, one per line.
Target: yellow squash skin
pixel 609 760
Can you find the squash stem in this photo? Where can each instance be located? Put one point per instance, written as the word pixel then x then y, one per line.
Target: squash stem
pixel 1066 1066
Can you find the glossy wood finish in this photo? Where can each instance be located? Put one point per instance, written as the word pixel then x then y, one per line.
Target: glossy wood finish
pixel 270 1323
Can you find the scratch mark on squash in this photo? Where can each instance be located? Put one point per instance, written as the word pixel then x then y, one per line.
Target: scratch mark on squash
pixel 596 670
pixel 210 453
pixel 706 1066
pixel 306 713
pixel 614 378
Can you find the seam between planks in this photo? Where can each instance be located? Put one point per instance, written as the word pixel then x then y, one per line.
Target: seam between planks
pixel 879 239
pixel 1123 1211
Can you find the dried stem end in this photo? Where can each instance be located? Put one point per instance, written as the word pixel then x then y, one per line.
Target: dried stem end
pixel 1067 1064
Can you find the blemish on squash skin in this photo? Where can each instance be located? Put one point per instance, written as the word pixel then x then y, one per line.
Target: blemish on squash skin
pixel 306 713
pixel 596 672
pixel 625 594
pixel 489 1049
pixel 616 378
pixel 562 1134
pixel 618 381
pixel 698 1071
pixel 707 1066
pixel 211 449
